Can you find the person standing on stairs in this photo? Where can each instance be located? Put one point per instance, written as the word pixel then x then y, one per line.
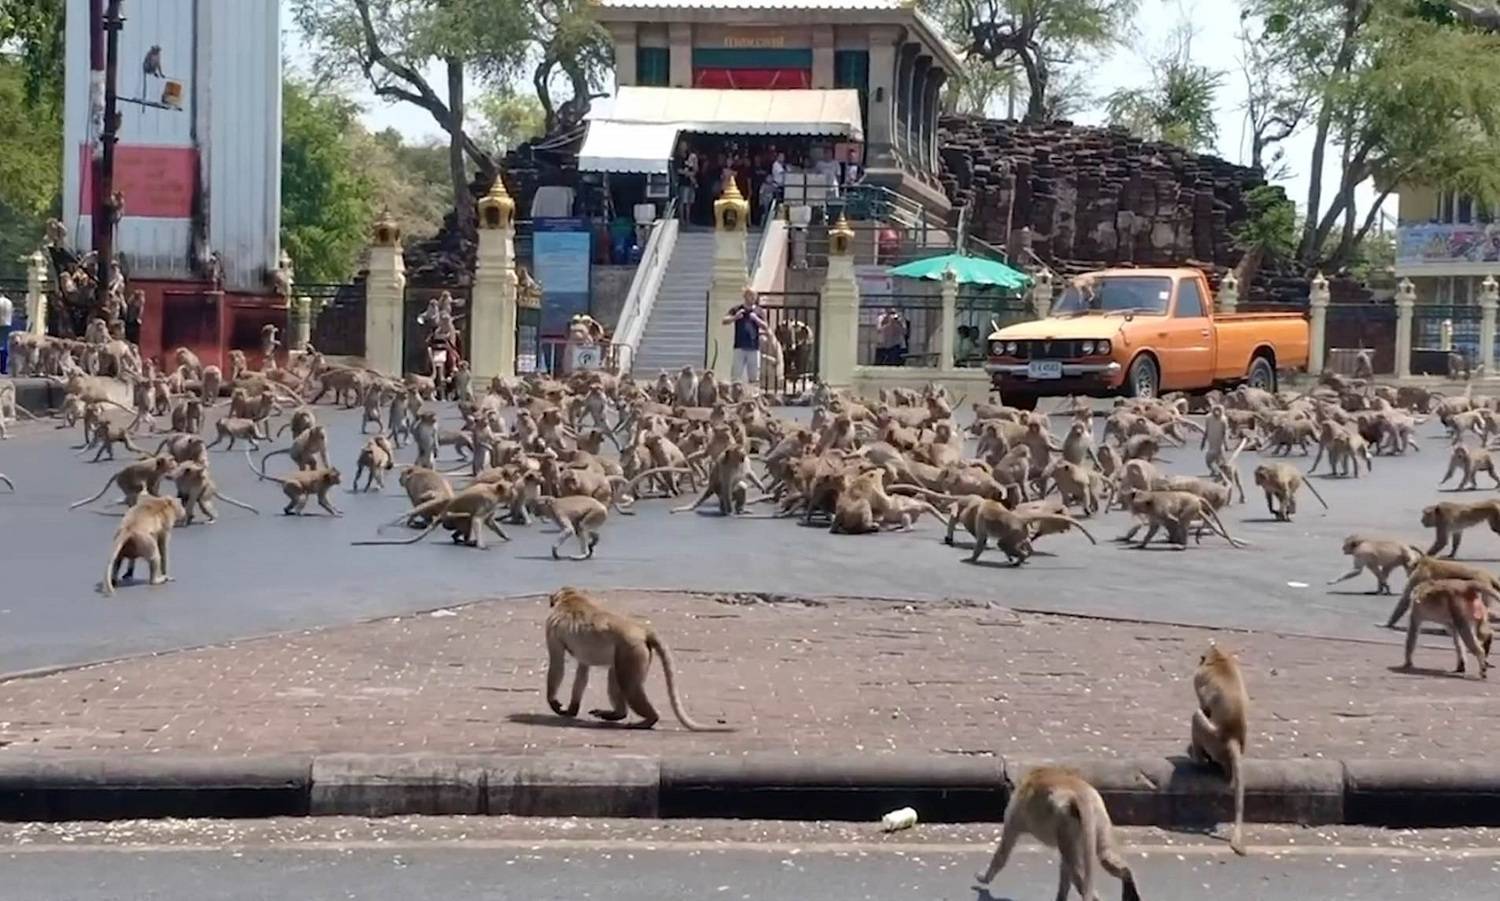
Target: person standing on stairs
pixel 748 324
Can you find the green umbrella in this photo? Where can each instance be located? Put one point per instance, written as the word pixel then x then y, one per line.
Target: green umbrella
pixel 968 271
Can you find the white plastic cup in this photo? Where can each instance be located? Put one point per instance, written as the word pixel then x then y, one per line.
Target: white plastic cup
pixel 896 820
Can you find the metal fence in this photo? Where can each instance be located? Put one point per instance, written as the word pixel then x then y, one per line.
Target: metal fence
pixel 529 340
pixel 1360 326
pixel 338 328
pixel 793 319
pixel 900 330
pixel 1430 323
pixel 414 333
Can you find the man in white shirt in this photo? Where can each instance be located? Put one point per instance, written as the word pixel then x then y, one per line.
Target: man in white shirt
pixel 7 318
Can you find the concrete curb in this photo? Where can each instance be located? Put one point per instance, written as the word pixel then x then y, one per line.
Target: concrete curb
pixel 37 396
pixel 1140 792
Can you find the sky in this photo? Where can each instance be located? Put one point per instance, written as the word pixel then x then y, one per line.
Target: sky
pixel 1214 25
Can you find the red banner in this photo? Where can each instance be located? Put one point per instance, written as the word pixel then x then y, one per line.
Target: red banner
pixel 752 79
pixel 157 182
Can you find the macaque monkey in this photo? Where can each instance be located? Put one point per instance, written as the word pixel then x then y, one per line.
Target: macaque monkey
pixel 580 517
pixel 107 436
pixel 211 383
pixel 268 345
pixel 189 361
pixel 309 450
pixel 1472 461
pixel 197 490
pixel 187 416
pixel 375 458
pixel 1364 364
pixel 1219 729
pixel 687 387
pixel 422 485
pixel 1450 519
pixel 1061 810
pixel 303 484
pixel 302 420
pixel 1280 481
pixel 234 428
pixel 424 435
pixel 579 627
pixel 1011 531
pixel 1175 511
pixel 728 476
pixel 466 515
pixel 1428 568
pixel 1459 606
pixel 373 398
pixel 144 534
pixel 134 479
pixel 1381 557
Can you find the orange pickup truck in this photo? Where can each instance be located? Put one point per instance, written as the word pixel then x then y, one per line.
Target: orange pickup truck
pixel 1141 332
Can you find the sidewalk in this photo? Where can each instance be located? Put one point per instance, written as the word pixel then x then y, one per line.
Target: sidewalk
pixel 848 678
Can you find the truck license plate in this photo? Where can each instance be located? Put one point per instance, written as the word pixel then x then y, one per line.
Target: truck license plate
pixel 1044 369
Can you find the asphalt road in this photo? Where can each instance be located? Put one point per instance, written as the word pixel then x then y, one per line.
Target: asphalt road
pixel 553 865
pixel 249 575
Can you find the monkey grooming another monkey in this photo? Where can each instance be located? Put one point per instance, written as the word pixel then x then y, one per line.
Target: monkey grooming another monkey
pixel 1459 606
pixel 1061 810
pixel 579 627
pixel 1281 481
pixel 1220 726
pixel 1450 519
pixel 144 534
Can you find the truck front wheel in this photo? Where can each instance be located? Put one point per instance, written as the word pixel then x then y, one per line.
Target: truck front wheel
pixel 1262 375
pixel 1143 379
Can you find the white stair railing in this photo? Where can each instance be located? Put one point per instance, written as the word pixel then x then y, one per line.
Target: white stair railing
pixel 643 289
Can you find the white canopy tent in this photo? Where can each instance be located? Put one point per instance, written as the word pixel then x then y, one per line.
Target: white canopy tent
pixel 636 129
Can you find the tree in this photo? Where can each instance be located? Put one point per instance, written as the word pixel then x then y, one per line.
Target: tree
pixel 327 194
pixel 506 119
pixel 571 41
pixel 981 90
pixel 1177 106
pixel 1268 231
pixel 410 179
pixel 33 29
pixel 1039 36
pixel 1400 94
pixel 1276 106
pixel 30 165
pixel 392 44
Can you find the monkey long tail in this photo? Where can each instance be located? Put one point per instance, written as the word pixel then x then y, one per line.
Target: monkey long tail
pixel 234 503
pixel 12 485
pixel 1218 526
pixel 1060 518
pixel 107 586
pixel 22 411
pixel 284 450
pixel 75 505
pixel 1237 780
pixel 436 521
pixel 1315 493
pixel 250 462
pixel 656 645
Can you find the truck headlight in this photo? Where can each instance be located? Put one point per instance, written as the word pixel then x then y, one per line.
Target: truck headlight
pixel 997 348
pixel 1010 348
pixel 1101 347
pixel 1086 348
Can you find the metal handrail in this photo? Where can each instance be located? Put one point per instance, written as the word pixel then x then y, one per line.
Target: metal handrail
pixel 641 297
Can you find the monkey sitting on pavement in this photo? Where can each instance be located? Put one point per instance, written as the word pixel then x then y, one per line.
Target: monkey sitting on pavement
pixel 727 477
pixel 303 484
pixel 1451 518
pixel 1459 606
pixel 1381 557
pixel 1219 728
pixel 1281 481
pixel 134 479
pixel 197 490
pixel 144 533
pixel 1063 811
pixel 579 627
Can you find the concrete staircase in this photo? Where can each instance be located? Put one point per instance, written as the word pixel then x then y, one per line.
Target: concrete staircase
pixel 675 333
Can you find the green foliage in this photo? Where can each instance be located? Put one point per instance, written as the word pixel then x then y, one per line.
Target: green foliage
pixel 506 119
pixel 410 179
pixel 1177 107
pixel 33 30
pixel 1270 223
pixel 30 166
pixel 327 192
pixel 1039 37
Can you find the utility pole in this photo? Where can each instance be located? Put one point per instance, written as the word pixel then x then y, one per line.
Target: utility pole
pixel 104 181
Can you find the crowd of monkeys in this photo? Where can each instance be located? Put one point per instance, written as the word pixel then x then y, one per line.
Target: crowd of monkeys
pixel 536 446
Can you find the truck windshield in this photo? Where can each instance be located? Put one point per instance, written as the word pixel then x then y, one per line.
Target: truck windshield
pixel 1145 294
